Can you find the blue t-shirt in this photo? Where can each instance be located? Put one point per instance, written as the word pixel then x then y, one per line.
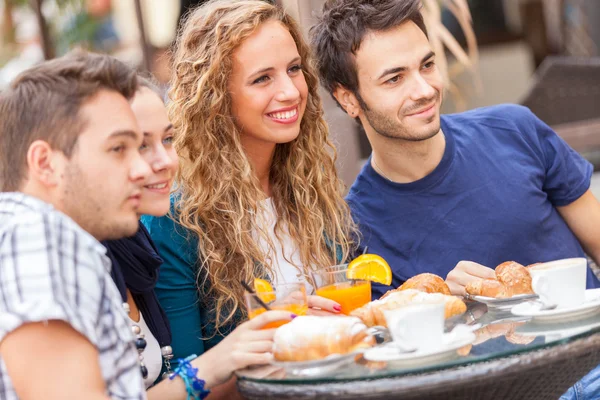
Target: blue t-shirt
pixel 492 198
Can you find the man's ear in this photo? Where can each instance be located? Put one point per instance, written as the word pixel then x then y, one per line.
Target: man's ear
pixel 348 101
pixel 42 163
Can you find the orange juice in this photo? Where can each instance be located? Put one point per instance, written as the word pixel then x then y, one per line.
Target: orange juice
pixel 298 309
pixel 350 295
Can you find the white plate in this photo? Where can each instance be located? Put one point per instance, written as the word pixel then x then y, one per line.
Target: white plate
pixel 448 350
pixel 532 309
pixel 493 302
pixel 317 367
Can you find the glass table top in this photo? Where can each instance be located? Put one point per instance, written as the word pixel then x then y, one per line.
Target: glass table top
pixel 498 333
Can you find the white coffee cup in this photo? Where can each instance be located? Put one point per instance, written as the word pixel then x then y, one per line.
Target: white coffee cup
pixel 560 282
pixel 416 326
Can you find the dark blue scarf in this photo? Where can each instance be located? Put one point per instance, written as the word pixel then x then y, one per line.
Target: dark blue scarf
pixel 135 264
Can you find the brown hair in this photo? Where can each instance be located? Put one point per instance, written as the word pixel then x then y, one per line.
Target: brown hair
pixel 220 196
pixel 149 82
pixel 43 103
pixel 338 34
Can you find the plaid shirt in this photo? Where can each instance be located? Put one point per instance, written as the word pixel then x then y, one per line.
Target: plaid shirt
pixel 51 269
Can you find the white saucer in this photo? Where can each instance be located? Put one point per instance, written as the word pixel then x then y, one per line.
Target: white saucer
pixel 532 309
pixel 450 344
pixel 509 302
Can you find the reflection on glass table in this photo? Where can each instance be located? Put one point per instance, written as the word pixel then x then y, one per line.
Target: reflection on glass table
pixel 498 334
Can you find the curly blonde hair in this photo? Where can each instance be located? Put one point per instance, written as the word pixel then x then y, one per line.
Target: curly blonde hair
pixel 220 195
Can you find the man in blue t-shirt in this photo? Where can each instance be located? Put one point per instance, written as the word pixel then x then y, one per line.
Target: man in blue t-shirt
pixel 454 195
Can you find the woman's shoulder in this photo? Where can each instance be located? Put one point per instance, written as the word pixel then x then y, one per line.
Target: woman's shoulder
pixel 171 237
pixel 159 226
pixel 165 227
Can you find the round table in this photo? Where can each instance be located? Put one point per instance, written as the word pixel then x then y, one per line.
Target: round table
pixel 512 358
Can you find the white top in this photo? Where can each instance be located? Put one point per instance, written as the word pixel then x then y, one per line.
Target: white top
pixel 51 269
pixel 152 354
pixel 286 251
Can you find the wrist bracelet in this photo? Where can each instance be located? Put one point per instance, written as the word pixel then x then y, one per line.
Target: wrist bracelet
pixel 193 385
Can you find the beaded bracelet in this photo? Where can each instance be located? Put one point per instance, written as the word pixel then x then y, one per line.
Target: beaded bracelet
pixel 193 385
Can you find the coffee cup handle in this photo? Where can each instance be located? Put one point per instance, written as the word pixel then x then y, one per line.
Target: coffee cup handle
pixel 539 284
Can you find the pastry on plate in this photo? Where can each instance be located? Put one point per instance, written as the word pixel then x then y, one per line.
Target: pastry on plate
pixel 309 338
pixel 426 282
pixel 372 313
pixel 511 279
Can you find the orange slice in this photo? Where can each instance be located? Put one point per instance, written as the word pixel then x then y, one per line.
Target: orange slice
pixel 370 267
pixel 264 290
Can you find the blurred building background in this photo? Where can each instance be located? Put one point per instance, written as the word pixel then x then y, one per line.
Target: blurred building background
pixel 541 53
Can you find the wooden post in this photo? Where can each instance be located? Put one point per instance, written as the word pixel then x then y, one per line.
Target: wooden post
pixel 146 51
pixel 47 46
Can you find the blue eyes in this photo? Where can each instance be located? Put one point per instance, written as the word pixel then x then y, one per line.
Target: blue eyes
pixel 168 141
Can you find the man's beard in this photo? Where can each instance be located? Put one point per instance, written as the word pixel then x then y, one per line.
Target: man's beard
pixel 83 202
pixel 391 129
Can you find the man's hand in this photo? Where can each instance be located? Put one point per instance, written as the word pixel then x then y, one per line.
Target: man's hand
pixel 465 272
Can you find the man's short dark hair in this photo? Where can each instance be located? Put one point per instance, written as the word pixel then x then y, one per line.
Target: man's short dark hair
pixel 338 34
pixel 44 102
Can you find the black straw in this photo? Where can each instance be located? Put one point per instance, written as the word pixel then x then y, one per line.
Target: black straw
pixel 258 299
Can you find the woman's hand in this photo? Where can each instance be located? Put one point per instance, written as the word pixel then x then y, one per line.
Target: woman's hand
pixel 318 305
pixel 247 345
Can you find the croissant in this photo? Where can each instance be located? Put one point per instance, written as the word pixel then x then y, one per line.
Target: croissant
pixel 426 282
pixel 511 279
pixel 313 338
pixel 515 276
pixel 372 313
pixel 488 288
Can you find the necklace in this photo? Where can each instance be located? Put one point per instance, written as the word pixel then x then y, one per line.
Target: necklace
pixel 140 343
pixel 378 169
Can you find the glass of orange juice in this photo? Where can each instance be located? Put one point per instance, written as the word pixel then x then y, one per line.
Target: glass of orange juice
pixel 287 297
pixel 333 283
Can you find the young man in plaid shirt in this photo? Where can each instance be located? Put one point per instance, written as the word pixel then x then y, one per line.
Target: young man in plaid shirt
pixel 70 175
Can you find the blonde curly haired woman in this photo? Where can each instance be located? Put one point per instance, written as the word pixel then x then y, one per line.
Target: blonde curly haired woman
pixel 257 190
